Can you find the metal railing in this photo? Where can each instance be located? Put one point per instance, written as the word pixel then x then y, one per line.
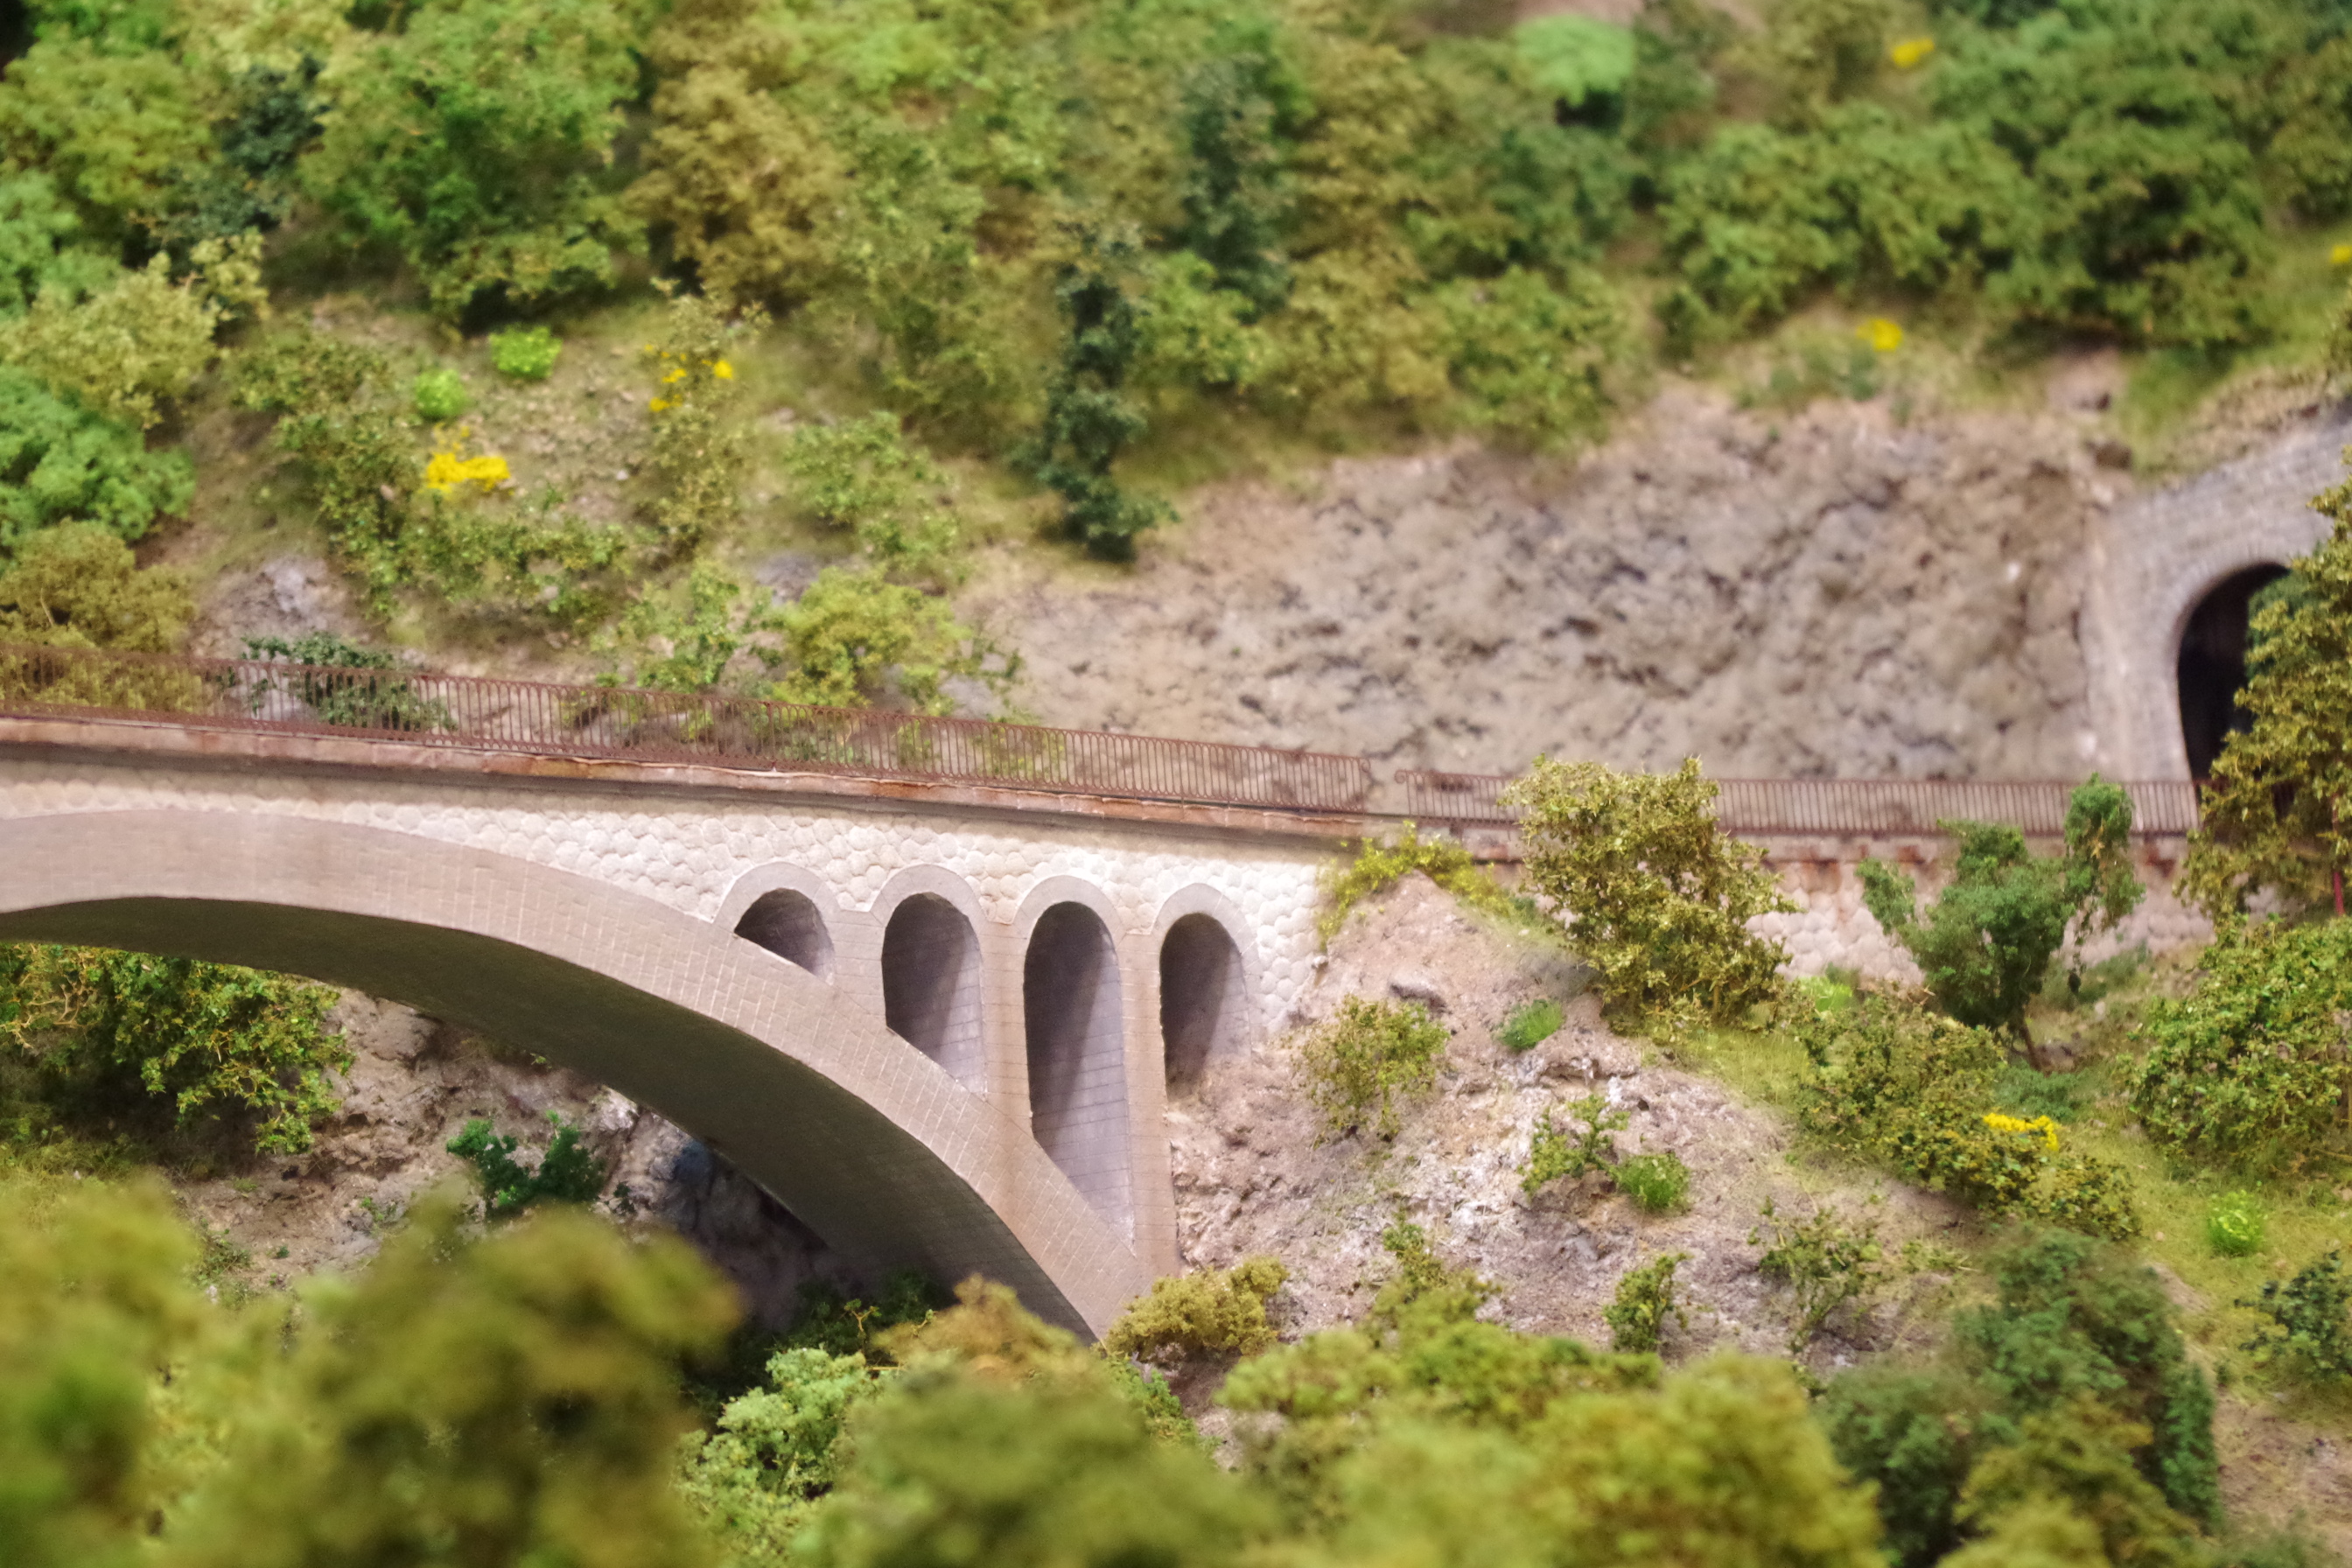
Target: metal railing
pixel 596 721
pixel 1772 806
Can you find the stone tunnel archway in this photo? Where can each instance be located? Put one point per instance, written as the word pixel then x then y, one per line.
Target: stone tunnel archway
pixel 1203 998
pixel 2212 667
pixel 876 1148
pixel 1073 1021
pixel 786 923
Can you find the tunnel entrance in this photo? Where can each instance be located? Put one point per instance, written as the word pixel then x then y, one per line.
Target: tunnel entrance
pixel 1201 999
pixel 931 985
pixel 1077 1055
pixel 2213 667
pixel 787 924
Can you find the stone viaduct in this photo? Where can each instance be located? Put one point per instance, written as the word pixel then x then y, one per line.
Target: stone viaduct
pixel 938 1022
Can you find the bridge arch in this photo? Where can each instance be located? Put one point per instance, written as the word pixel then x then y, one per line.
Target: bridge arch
pixel 876 1147
pixel 933 975
pixel 1207 979
pixel 1074 1028
pixel 2212 662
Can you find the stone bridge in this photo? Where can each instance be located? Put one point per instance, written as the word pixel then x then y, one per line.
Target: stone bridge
pixel 938 1021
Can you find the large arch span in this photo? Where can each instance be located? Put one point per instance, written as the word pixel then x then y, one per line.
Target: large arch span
pixel 873 1143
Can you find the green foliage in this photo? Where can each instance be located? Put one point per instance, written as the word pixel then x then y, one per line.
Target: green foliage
pixel 1208 1311
pixel 1646 1298
pixel 217 1042
pixel 2310 1317
pixel 1651 891
pixel 438 396
pixel 1819 52
pixel 1577 58
pixel 846 1325
pixel 1987 943
pixel 507 1398
pixel 117 130
pixel 861 475
pixel 1888 1081
pixel 2235 1223
pixel 774 1450
pixel 853 639
pixel 1367 1057
pixel 2277 814
pixel 371 701
pixel 1825 1262
pixel 698 454
pixel 2075 1460
pixel 1382 864
pixel 2026 1093
pixel 78 585
pixel 58 461
pixel 1531 1024
pixel 92 1297
pixel 1917 1432
pixel 40 246
pixel 566 1173
pixel 1554 1152
pixel 1659 1182
pixel 1424 1288
pixel 2250 1069
pixel 1089 418
pixel 477 140
pixel 525 353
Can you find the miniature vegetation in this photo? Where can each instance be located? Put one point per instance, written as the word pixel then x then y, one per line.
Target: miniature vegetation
pixel 1659 1182
pixel 1986 944
pixel 1359 1068
pixel 1648 889
pixel 1380 865
pixel 1206 1312
pixel 100 1047
pixel 566 1171
pixel 1530 1024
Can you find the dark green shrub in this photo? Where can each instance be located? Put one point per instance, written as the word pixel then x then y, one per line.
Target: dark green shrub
pixel 1359 1066
pixel 2022 1091
pixel 566 1173
pixel 216 1042
pixel 361 701
pixel 2250 1069
pixel 2310 1317
pixel 1916 1432
pixel 1089 418
pixel 1644 1299
pixel 1652 892
pixel 1987 943
pixel 1531 1024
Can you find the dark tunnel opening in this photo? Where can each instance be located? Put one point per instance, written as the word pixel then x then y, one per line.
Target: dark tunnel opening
pixel 2212 665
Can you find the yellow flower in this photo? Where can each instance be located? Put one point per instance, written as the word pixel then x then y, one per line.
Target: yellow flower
pixel 446 470
pixel 2041 1124
pixel 677 374
pixel 1910 52
pixel 658 403
pixel 722 370
pixel 1880 334
pixel 2340 257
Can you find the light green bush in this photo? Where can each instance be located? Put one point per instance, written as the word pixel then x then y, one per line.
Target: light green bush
pixel 1827 1263
pixel 438 396
pixel 1660 1183
pixel 1359 1067
pixel 1208 1311
pixel 66 462
pixel 525 353
pixel 1380 864
pixel 1652 892
pixel 2234 1225
pixel 1556 1152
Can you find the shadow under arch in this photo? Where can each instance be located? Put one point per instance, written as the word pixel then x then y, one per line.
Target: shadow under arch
pixel 786 923
pixel 1074 1024
pixel 873 1146
pixel 1203 998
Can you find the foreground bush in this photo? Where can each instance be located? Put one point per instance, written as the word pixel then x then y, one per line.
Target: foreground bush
pixel 2250 1067
pixel 1651 891
pixel 1890 1081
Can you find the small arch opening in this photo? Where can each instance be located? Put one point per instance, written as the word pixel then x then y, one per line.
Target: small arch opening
pixel 1077 1055
pixel 930 985
pixel 789 925
pixel 1201 1005
pixel 2212 665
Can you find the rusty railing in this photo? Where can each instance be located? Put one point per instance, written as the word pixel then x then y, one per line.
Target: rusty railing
pixel 2162 808
pixel 596 722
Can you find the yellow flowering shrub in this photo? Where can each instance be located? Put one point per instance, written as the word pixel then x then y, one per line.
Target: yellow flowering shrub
pixel 447 471
pixel 2041 1124
pixel 1883 335
pixel 1910 53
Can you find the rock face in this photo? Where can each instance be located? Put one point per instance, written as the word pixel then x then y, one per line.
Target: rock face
pixel 1250 1178
pixel 413 1086
pixel 1821 593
